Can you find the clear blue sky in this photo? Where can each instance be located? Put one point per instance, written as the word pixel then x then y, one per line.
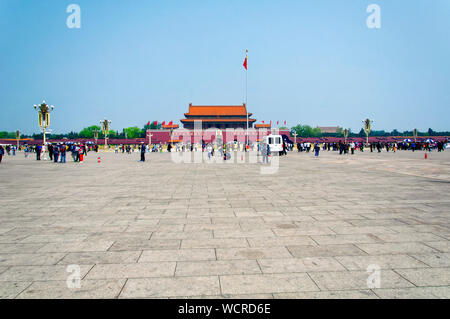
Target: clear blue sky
pixel 312 62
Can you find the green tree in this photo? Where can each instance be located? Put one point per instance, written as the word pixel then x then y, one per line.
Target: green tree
pixel 362 133
pixel 88 132
pixel 5 134
pixel 112 134
pixel 316 132
pixel 133 132
pixel 306 131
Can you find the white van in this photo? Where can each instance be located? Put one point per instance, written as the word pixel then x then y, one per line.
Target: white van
pixel 275 142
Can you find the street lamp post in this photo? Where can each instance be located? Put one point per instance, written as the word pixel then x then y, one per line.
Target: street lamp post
pixel 415 134
pixel 295 138
pixel 44 121
pixel 18 139
pixel 367 127
pixel 105 129
pixel 345 135
pixel 95 136
pixel 149 137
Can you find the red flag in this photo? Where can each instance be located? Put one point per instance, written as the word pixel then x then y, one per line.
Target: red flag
pixel 245 62
pixel 277 122
pixel 270 122
pixel 164 123
pixel 284 122
pixel 148 123
pixel 171 123
pixel 155 123
pixel 263 122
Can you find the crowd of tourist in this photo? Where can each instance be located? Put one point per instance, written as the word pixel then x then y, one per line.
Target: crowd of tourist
pixel 351 147
pixel 57 151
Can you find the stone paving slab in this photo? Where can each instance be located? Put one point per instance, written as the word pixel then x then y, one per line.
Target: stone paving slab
pixel 342 294
pixel 414 293
pixel 217 267
pixel 171 287
pixel 325 250
pixel 98 289
pixel 164 230
pixel 11 289
pixel 292 265
pixel 100 257
pixel 178 255
pixel 30 259
pixel 383 261
pixel 40 273
pixel 427 277
pixel 351 280
pixel 270 283
pixel 395 248
pixel 252 253
pixel 132 270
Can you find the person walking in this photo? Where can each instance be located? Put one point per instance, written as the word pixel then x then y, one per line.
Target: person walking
pixel 2 151
pixel 80 154
pixel 77 153
pixel 38 152
pixel 56 153
pixel 50 151
pixel 265 153
pixel 63 153
pixel 316 149
pixel 142 153
pixel 209 149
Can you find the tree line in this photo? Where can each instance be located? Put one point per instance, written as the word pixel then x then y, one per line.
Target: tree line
pixel 308 131
pixel 88 132
pixel 136 132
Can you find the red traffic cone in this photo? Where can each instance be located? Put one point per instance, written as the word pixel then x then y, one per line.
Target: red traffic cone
pixel 426 156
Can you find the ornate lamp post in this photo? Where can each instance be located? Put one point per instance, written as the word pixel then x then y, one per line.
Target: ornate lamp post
pixel 18 139
pixel 95 135
pixel 345 135
pixel 150 138
pixel 295 138
pixel 415 134
pixel 105 129
pixel 367 128
pixel 44 121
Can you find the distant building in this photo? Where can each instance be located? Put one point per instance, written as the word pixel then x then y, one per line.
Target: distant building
pixel 328 129
pixel 218 116
pixel 267 126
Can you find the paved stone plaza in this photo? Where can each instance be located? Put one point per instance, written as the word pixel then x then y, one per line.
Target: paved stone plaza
pixel 161 230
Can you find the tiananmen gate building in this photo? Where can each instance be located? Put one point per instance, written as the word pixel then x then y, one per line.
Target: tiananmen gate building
pixel 218 116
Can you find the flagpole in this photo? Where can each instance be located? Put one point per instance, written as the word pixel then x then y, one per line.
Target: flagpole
pixel 246 93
